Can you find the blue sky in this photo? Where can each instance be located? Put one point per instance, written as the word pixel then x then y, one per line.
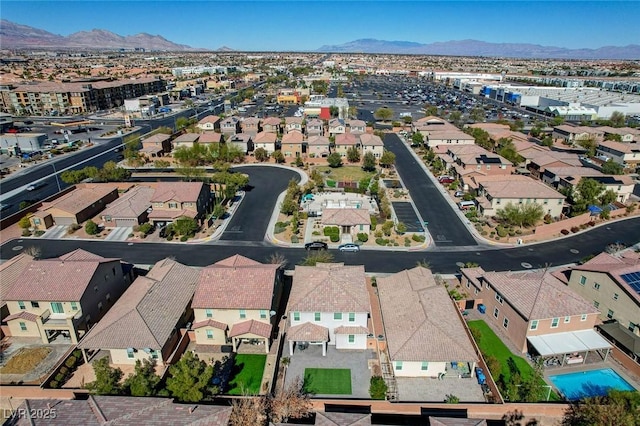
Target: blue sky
pixel 307 25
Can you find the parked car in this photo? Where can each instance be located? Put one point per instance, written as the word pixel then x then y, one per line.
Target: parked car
pixel 446 179
pixel 316 245
pixel 349 247
pixel 459 194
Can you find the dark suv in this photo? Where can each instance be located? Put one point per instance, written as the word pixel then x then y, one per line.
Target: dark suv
pixel 316 245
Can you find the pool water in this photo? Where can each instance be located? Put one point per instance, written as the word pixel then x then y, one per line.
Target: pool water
pixel 589 383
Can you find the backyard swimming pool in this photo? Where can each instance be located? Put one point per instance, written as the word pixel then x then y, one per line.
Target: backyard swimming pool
pixel 589 383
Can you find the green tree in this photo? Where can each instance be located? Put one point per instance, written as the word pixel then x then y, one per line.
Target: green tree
pixel 278 156
pixel 401 228
pixel 587 192
pixel 334 111
pixel 320 87
pixel 144 381
pixel 455 117
pixel 182 122
pixel 334 159
pixel 107 378
pixel 185 226
pixel 91 228
pixel 521 214
pixel 610 167
pixel 431 110
pixel 482 138
pixel 607 197
pixel 388 159
pixel 190 173
pixel 260 154
pixel 417 139
pixel 353 154
pixel 508 150
pixel 24 222
pixel 189 379
pixel 617 119
pixel 377 388
pixel 477 114
pixel 557 120
pixel 618 408
pixel 589 144
pixel 383 114
pixel 369 162
pixel 613 137
pixel 161 164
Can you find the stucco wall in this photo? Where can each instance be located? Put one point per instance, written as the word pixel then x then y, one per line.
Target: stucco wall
pixel 328 321
pixel 414 369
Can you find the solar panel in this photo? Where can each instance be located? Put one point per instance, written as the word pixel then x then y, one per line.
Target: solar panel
pixel 633 279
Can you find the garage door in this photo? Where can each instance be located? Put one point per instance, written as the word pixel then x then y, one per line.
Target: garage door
pixel 125 223
pixel 63 220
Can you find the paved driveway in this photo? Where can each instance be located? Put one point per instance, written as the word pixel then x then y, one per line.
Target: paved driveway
pixel 55 232
pixel 445 226
pixel 119 234
pixel 407 215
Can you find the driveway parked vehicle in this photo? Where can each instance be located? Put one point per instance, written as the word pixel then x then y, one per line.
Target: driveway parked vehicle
pixel 349 247
pixel 446 179
pixel 316 245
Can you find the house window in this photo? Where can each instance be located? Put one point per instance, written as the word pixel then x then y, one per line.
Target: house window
pixel 317 316
pixel 173 205
pixel 56 308
pixel 209 334
pixel 610 314
pixel 23 326
pixel 296 316
pixel 243 314
pixel 352 338
pixel 496 312
pixel 583 317
pixel 615 296
pixel 35 304
pixel 534 325
pixel 632 326
pixel 499 298
pixel 263 314
pixel 596 286
pixel 567 320
pixel 583 280
pixel 505 323
pixel 424 366
pixel 337 316
pixel 398 365
pixel 554 322
pixel 74 306
pixel 352 317
pixel 596 304
pixel 209 313
pixel 21 305
pixel 130 353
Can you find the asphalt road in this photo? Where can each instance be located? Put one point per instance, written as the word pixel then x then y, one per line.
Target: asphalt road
pixel 250 221
pixel 554 253
pixel 444 225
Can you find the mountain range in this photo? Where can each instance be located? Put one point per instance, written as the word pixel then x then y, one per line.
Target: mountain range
pixel 481 48
pixel 17 36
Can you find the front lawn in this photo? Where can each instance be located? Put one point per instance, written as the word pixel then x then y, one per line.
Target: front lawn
pixel 491 345
pixel 246 376
pixel 25 360
pixel 344 173
pixel 327 381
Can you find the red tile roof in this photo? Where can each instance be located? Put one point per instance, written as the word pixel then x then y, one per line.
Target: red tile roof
pixel 10 271
pixel 22 315
pixel 308 332
pixel 209 323
pixel 351 330
pixel 346 217
pixel 258 328
pixel 184 192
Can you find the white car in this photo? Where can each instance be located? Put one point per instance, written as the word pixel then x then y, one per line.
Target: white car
pixel 349 247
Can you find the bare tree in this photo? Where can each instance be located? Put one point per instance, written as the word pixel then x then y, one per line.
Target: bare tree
pixel 33 251
pixel 249 411
pixel 292 402
pixel 278 259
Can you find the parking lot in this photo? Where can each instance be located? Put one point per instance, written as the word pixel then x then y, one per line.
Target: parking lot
pixel 406 214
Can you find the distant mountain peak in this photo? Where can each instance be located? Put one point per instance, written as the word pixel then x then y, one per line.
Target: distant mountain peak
pixel 471 47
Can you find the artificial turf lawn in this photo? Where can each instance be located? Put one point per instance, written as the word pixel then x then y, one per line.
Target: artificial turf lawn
pixel 327 381
pixel 247 375
pixel 490 344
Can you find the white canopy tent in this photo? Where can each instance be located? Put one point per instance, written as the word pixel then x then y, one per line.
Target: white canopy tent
pixel 569 343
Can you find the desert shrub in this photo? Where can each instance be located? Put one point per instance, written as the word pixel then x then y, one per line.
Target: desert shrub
pixel 363 236
pixel 295 239
pixel 377 388
pixel 73 228
pixel 574 229
pixel 564 232
pixel 184 238
pixel 71 361
pixel 492 233
pixel 418 238
pixel 170 237
pixel 501 232
pixel 316 233
pixel 382 241
pixel 547 218
pixel 374 222
pixel 407 242
pixel 27 233
pixel 91 227
pixel 146 228
pixel 59 377
pixel 484 233
pixel 378 234
pixel 64 371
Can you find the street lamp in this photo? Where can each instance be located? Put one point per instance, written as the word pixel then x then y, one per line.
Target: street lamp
pixel 56 175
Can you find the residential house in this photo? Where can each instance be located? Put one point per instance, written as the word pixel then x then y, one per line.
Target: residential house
pixel 534 309
pixel 620 184
pixel 145 322
pixel 156 145
pixel 96 410
pixel 75 207
pixel 351 221
pixel 251 126
pixel 495 192
pixel 612 283
pixel 498 131
pixel 210 138
pixel 625 154
pixel 62 298
pixel 271 125
pixel 293 124
pixel 186 140
pixel 431 123
pixel 173 200
pixel 129 210
pixel 266 141
pixel 242 141
pixel 235 301
pixel 425 333
pixel 329 304
pixel 210 123
pixel 9 271
pixel 292 143
pixel 337 126
pixel 473 160
pixel 538 161
pixel 626 134
pixel 318 146
pixel 314 127
pixel 572 134
pixel 447 137
pixel 345 141
pixel 357 127
pixel 230 126
pixel 372 143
